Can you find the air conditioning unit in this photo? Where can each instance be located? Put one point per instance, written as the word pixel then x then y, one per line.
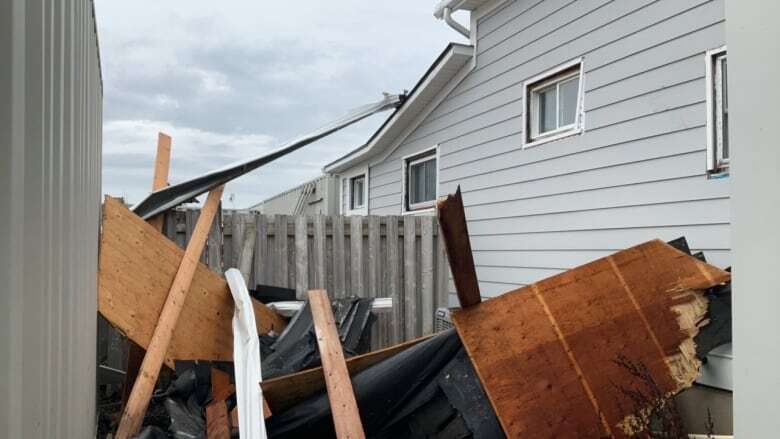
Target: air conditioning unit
pixel 442 320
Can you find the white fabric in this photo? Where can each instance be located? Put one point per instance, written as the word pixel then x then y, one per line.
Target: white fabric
pixel 246 360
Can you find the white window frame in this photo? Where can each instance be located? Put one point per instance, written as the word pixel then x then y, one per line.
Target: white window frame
pixel 408 160
pixel 544 80
pixel 716 163
pixel 347 206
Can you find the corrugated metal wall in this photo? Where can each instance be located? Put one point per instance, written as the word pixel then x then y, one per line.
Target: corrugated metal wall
pixel 50 134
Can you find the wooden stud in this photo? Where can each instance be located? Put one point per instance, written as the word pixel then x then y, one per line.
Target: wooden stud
pixel 162 166
pixel 135 409
pixel 221 388
pixel 346 418
pixel 454 230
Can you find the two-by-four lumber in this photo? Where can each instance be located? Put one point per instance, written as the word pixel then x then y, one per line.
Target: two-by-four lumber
pixel 137 268
pixel 162 166
pixel 346 417
pixel 134 411
pixel 454 230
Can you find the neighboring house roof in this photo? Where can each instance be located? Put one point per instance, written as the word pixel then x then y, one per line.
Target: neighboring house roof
pixel 285 192
pixel 438 77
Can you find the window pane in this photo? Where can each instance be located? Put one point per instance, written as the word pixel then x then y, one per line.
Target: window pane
pixel 547 109
pixel 725 106
pixel 430 180
pixel 415 183
pixel 358 187
pixel 568 102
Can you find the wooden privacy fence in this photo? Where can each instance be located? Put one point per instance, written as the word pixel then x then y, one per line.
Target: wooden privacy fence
pixel 366 256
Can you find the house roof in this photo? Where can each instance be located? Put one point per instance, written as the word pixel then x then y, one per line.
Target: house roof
pixel 436 78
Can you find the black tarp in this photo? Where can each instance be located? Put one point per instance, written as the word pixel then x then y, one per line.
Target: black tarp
pixel 427 391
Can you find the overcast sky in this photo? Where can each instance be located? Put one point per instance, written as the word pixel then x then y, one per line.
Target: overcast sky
pixel 230 80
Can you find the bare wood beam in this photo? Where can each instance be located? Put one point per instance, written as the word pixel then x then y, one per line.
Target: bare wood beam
pixel 346 418
pixel 162 163
pixel 135 409
pixel 452 221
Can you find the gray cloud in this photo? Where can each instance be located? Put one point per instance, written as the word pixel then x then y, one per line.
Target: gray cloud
pixel 230 80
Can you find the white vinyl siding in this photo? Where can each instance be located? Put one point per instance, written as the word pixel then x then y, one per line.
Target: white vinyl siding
pixel 636 173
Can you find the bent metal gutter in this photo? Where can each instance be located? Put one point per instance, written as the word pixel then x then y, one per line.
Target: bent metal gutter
pixel 171 196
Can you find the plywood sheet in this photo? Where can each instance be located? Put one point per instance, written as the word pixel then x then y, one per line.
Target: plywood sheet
pixel 137 267
pixel 546 353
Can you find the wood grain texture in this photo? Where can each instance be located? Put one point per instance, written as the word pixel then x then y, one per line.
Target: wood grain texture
pixel 343 406
pixel 410 318
pixel 221 388
pixel 455 232
pixel 546 353
pixel 162 166
pixel 137 268
pixel 135 409
pixel 217 421
pixel 287 391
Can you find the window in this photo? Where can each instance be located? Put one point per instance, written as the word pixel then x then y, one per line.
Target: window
pixel 554 104
pixel 420 180
pixel 718 148
pixel 357 187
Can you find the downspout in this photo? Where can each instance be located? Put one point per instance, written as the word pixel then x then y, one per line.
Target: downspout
pixel 444 11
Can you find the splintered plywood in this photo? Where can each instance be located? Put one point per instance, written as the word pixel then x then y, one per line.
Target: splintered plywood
pixel 546 353
pixel 137 267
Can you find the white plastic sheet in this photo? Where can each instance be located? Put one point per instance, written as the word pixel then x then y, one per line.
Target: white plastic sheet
pixel 246 360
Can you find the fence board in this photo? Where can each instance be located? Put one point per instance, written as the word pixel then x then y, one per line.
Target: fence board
pixel 282 279
pixel 410 279
pixel 339 262
pixel 426 277
pixel 214 245
pixel 369 256
pixel 301 257
pixel 320 279
pixel 261 246
pixel 356 263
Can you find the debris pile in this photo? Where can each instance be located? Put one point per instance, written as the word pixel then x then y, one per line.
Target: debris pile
pixel 563 357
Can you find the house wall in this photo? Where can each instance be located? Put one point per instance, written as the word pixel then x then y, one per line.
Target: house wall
pixel 637 173
pixel 50 141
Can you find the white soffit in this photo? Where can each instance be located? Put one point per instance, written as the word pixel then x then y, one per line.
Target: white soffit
pixel 450 63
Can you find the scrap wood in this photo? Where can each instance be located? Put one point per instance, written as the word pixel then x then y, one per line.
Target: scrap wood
pixel 217 421
pixel 137 267
pixel 284 392
pixel 346 418
pixel 221 388
pixel 549 354
pixel 134 411
pixel 162 165
pixel 454 229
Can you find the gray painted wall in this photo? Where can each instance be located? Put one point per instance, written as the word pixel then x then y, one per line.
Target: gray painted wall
pixel 50 135
pixel 323 201
pixel 637 173
pixel 754 42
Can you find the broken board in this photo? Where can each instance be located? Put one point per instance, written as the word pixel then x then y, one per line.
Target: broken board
pixel 137 267
pixel 286 391
pixel 547 354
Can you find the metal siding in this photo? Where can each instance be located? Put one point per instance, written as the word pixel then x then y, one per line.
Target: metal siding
pixel 51 125
pixel 638 171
